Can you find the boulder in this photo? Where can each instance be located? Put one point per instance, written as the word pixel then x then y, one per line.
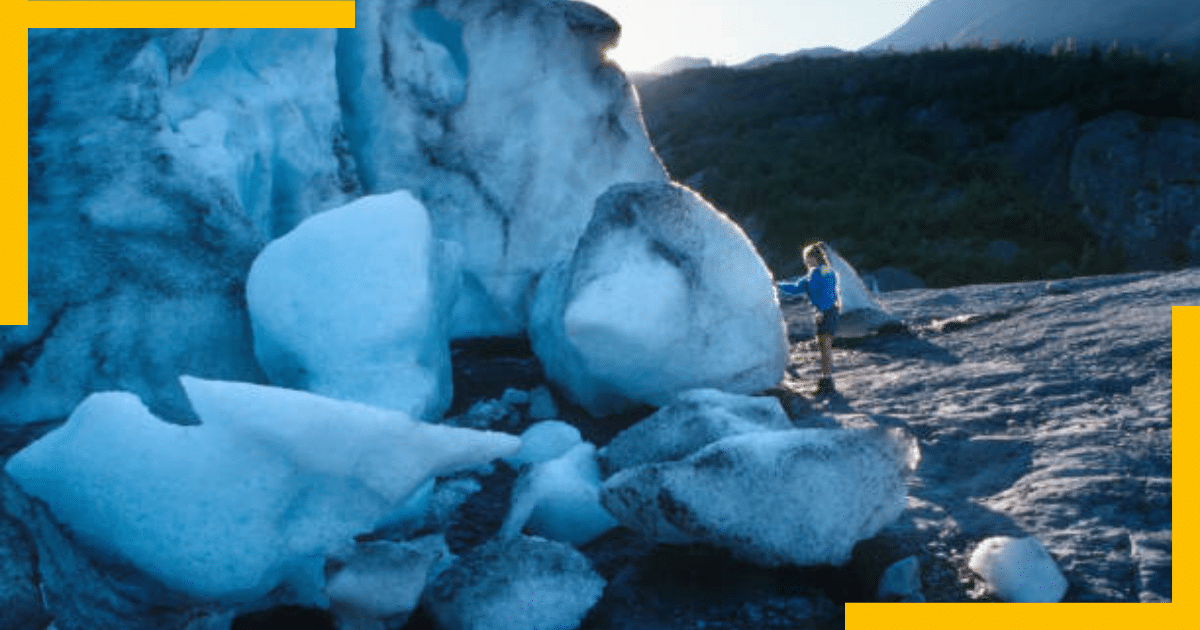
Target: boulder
pixel 795 497
pixel 887 279
pixel 901 581
pixel 519 583
pixel 663 294
pixel 354 304
pixel 541 404
pixel 1137 181
pixel 1039 146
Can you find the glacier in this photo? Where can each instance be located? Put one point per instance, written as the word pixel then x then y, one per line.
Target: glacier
pixel 162 162
pixel 250 250
pixel 171 160
pixel 461 104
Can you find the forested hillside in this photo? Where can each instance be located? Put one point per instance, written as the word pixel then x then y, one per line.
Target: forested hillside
pixel 957 165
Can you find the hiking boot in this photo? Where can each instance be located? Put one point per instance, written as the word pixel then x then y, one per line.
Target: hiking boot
pixel 825 386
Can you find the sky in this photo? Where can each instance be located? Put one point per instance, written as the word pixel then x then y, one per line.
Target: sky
pixel 733 31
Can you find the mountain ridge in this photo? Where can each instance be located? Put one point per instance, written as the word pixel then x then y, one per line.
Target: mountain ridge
pixel 1157 25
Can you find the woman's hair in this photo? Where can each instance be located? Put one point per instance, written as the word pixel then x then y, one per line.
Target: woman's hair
pixel 817 250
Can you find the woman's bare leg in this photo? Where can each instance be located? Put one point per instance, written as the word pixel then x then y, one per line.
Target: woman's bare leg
pixel 825 344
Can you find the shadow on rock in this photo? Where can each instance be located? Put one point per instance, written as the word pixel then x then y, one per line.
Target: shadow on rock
pixel 485 367
pixel 899 342
pixel 285 618
pixel 682 586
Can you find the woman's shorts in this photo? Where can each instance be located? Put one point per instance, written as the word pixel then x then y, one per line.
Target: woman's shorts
pixel 827 321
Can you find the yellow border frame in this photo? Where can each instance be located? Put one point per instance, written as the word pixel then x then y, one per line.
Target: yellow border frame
pixel 320 13
pixel 14 217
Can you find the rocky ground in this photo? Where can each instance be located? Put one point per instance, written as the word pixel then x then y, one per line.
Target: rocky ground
pixel 1043 409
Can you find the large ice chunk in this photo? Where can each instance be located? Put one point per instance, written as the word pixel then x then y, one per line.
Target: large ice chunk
pixel 253 497
pixel 515 583
pixel 1018 570
pixel 46 575
pixel 800 497
pixel 560 499
pixel 354 304
pixel 546 440
pixel 381 580
pixel 692 421
pixel 663 294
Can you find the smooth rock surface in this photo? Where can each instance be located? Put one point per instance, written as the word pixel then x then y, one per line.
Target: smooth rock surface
pixel 981 430
pixel 1046 413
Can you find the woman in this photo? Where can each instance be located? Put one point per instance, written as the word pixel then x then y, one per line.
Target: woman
pixel 821 286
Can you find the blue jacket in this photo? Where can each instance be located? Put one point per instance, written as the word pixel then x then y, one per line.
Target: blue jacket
pixel 820 284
